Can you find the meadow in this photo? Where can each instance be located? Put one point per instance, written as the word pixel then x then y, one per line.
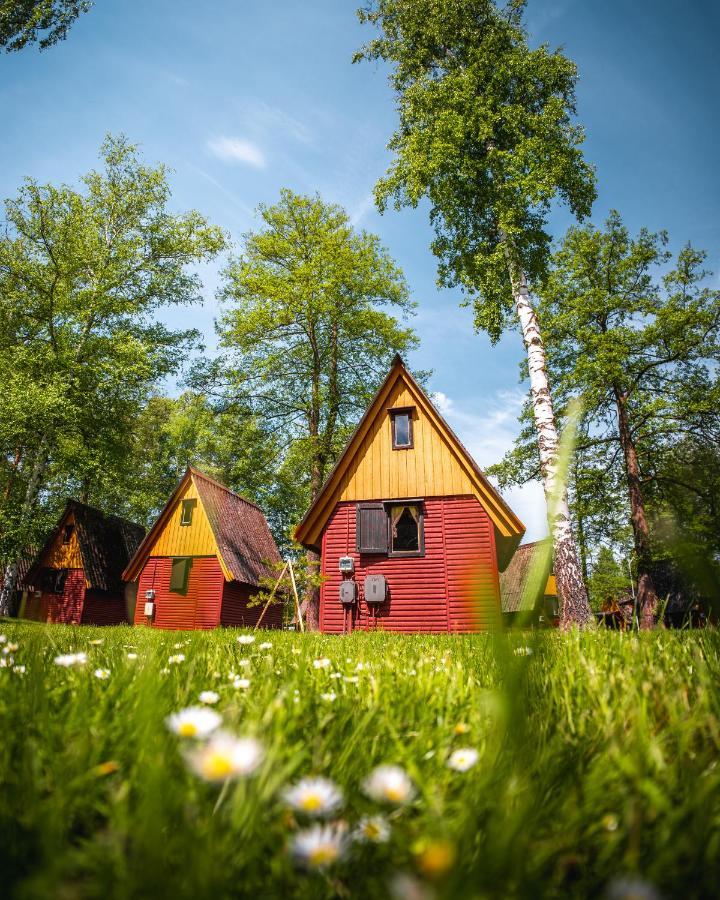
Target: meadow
pixel 588 764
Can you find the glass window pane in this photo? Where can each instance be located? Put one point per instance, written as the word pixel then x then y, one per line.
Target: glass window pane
pixel 405 529
pixel 402 430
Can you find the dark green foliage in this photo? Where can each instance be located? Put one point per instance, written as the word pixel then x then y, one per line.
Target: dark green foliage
pixel 46 22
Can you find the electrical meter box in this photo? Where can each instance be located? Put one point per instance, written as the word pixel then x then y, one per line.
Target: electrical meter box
pixel 347 565
pixel 149 609
pixel 375 589
pixel 149 595
pixel 348 592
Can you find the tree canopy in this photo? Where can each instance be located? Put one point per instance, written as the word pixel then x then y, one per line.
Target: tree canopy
pixel 44 22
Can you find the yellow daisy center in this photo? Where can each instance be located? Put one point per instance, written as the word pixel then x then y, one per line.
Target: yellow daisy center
pixel 372 831
pixel 216 765
pixel 395 793
pixel 187 729
pixel 311 802
pixel 323 855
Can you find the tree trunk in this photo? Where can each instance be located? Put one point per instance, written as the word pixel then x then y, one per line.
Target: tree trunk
pixel 10 577
pixel 647 599
pixel 574 605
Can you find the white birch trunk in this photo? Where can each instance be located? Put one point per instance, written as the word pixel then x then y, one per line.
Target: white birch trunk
pixel 574 605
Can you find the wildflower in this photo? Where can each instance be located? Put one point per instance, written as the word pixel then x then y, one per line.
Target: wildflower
pixel 322 663
pixel 406 887
pixel 336 675
pixel 244 663
pixel 630 888
pixel 435 858
pixel 610 822
pixel 71 659
pixel 243 683
pixel 164 670
pixel 106 768
pixel 97 642
pixel 463 759
pixel 246 639
pixel 224 756
pixel 314 796
pixel 390 784
pixel 194 721
pixel 329 697
pixel 265 646
pixel 102 674
pixel 461 728
pixel 318 846
pixel 11 648
pixel 3 662
pixel 176 659
pixel 3 638
pixel 351 679
pixel 523 651
pixel 19 670
pixel 296 650
pixel 178 646
pixel 209 697
pixel 132 656
pixel 374 829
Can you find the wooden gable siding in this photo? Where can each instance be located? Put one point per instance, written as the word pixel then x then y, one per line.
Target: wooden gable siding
pixel 429 468
pixel 453 587
pixel 196 539
pixel 65 556
pixel 198 607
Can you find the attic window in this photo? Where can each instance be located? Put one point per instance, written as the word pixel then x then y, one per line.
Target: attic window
pixel 402 429
pixel 186 512
pixel 179 574
pixel 67 533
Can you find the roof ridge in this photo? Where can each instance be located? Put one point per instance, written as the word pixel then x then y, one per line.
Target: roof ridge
pixel 224 487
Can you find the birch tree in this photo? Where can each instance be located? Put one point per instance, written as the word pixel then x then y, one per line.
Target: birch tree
pixel 487 136
pixel 83 272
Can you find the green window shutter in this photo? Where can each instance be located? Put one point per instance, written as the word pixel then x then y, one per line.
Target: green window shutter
pixel 186 511
pixel 179 574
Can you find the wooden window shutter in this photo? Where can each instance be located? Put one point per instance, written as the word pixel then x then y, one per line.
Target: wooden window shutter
pixel 372 528
pixel 179 574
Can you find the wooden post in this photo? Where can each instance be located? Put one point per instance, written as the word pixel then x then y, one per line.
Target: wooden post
pixel 297 599
pixel 270 598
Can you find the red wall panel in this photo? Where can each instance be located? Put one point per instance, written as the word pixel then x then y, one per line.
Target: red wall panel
pixel 68 606
pixel 454 587
pixel 235 610
pixel 101 608
pixel 198 607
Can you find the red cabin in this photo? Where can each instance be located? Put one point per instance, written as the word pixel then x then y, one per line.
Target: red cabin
pixel 76 577
pixel 411 534
pixel 203 560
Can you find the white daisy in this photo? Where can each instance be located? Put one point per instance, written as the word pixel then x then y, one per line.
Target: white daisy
pixel 224 756
pixel 243 683
pixel 3 638
pixel 318 797
pixel 319 846
pixel 132 656
pixel 194 721
pixel 176 659
pixel 97 642
pixel 296 650
pixel 389 784
pixel 463 759
pixel 102 674
pixel 19 670
pixel 407 887
pixel 71 659
pixel 523 651
pixel 209 697
pixel 265 646
pixel 322 663
pixel 336 675
pixel 11 648
pixel 329 697
pixel 351 679
pixel 246 639
pixel 373 829
pixel 3 662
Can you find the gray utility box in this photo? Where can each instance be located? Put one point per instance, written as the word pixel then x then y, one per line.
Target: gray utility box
pixel 348 592
pixel 375 589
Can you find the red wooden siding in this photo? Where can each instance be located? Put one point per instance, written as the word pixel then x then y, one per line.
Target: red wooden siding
pixel 104 609
pixel 198 607
pixel 68 606
pixel 235 610
pixel 209 600
pixel 454 587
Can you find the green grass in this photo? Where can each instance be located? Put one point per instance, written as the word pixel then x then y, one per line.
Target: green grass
pixel 598 760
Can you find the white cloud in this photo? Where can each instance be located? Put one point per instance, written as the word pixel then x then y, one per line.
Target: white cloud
pixel 234 149
pixel 488 435
pixel 362 209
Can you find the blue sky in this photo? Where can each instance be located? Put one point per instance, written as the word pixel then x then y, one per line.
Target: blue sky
pixel 242 97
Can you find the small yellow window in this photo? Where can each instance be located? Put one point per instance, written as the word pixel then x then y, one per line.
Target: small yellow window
pixel 186 511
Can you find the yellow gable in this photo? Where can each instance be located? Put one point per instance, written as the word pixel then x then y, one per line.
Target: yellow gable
pixel 174 539
pixel 65 556
pixel 436 465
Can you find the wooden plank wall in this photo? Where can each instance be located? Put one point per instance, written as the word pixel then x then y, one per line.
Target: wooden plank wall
pixel 198 607
pixel 65 556
pixel 454 587
pixel 195 539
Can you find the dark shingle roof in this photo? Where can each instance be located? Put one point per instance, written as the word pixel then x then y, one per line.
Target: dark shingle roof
pixel 241 531
pixel 514 581
pixel 107 543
